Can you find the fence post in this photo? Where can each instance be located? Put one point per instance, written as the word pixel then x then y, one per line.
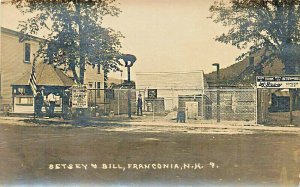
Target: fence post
pixel 218 105
pixel 95 99
pixel 129 102
pixel 291 105
pixel 119 101
pixel 256 106
pixel 153 110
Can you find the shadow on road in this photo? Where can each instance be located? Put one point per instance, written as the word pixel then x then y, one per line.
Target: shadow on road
pixel 77 123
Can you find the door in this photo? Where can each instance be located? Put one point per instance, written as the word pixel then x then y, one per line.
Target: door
pixel 192 109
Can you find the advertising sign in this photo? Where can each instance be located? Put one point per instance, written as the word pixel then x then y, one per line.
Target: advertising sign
pixel 278 81
pixel 79 96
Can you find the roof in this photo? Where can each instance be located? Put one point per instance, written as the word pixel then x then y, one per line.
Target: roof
pixel 17 33
pixel 46 75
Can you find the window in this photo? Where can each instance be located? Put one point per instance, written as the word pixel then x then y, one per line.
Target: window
pixel 98 68
pixel 25 101
pixel 152 93
pixel 27 53
pixel 90 85
pixel 98 89
pixel 21 91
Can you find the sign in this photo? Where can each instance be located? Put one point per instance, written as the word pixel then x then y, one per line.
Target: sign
pixel 152 93
pixel 278 81
pixel 79 96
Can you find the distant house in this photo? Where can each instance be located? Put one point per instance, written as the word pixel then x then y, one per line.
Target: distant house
pixel 168 86
pixel 16 59
pixel 94 78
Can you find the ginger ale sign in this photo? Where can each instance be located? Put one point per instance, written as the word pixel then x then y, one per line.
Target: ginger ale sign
pixel 79 96
pixel 278 82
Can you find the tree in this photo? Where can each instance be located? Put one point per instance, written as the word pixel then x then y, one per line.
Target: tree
pixel 271 26
pixel 76 37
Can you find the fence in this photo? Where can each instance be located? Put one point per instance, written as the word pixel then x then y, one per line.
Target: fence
pixel 274 106
pixel 235 104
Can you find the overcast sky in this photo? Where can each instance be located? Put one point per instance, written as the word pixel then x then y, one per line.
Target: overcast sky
pixel 164 35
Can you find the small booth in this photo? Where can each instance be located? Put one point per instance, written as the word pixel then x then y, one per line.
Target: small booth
pixel 156 105
pixel 196 106
pixel 49 80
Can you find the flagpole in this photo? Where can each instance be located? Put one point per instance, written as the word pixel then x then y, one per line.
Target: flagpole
pixel 33 84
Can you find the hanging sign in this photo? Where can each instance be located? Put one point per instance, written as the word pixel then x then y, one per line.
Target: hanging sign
pixel 278 81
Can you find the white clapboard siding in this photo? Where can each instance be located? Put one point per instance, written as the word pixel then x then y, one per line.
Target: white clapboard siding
pixel 171 84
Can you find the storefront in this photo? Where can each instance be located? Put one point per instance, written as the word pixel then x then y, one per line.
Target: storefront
pixel 49 80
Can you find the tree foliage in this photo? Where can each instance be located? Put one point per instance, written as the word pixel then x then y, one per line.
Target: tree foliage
pixel 271 26
pixel 76 37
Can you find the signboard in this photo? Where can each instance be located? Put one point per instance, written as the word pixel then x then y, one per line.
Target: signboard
pixel 278 81
pixel 79 96
pixel 152 93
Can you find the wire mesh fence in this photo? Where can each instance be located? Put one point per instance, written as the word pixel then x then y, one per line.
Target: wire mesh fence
pixel 278 106
pixel 233 104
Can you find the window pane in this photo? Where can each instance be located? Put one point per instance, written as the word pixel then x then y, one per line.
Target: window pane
pixel 98 87
pixel 27 52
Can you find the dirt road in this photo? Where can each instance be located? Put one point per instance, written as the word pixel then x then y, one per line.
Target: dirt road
pixel 94 155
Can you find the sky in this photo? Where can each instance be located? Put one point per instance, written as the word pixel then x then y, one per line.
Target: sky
pixel 164 35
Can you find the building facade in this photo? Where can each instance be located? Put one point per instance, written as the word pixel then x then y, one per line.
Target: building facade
pixel 169 85
pixel 16 59
pixel 94 79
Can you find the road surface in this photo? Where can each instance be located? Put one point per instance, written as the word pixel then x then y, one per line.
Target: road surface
pixel 91 156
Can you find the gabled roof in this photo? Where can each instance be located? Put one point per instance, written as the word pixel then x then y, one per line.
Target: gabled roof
pixel 46 75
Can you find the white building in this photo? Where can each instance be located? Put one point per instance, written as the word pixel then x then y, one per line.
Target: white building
pixel 170 85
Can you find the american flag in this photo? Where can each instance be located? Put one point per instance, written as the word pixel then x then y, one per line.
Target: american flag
pixel 32 80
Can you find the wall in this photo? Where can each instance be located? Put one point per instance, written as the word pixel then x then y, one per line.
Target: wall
pixel 170 85
pixel 12 64
pixel 91 77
